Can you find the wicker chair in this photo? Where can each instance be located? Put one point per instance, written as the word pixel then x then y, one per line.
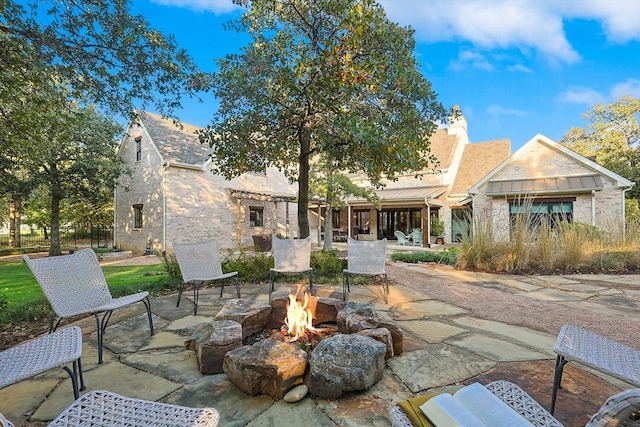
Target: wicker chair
pixel 618 410
pixel 366 259
pixel 416 236
pixel 200 263
pixel 103 408
pixel 75 284
pixel 291 256
pixel 56 350
pixel 5 422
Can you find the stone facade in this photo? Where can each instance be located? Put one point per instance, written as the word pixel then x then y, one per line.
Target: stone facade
pixel 182 200
pixel 544 158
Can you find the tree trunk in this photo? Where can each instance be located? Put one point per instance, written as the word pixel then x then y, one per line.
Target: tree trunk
pixel 55 225
pixel 304 137
pixel 328 226
pixel 15 213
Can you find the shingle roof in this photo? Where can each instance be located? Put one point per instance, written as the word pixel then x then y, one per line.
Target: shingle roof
pixel 174 144
pixel 477 161
pixel 443 147
pixel 405 194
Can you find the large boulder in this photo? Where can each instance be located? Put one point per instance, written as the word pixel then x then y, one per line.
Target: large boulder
pixel 355 317
pixel 345 363
pixel 270 366
pixel 252 315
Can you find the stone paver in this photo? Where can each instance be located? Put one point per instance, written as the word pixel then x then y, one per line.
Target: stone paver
pixel 495 349
pixel 430 331
pixel 425 309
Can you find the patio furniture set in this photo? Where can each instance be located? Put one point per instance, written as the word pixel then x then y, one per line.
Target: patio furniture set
pixel 75 284
pixel 414 238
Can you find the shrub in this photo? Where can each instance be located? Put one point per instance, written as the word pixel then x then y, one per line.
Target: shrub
pixel 251 268
pixel 327 263
pixel 448 256
pixel 170 265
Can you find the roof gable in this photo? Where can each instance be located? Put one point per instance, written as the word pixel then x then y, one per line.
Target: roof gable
pixel 174 144
pixel 547 142
pixel 443 147
pixel 478 160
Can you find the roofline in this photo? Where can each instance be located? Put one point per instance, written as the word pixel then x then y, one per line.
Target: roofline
pixel 620 180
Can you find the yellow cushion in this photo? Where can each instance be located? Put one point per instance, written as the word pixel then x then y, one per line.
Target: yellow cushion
pixel 411 407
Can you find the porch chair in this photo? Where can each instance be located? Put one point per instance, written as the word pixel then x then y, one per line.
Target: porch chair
pixel 366 259
pixel 199 263
pixel 75 284
pixel 291 256
pixel 103 408
pixel 55 350
pixel 619 410
pixel 403 239
pixel 416 236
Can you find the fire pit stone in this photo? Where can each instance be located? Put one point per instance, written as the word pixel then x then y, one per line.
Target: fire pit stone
pixel 211 341
pixel 381 335
pixel 345 363
pixel 252 315
pixel 270 366
pixel 324 310
pixel 355 317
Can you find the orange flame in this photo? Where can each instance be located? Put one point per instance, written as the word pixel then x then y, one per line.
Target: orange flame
pixel 299 316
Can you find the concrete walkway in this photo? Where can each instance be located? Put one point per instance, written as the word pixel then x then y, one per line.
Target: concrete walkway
pixel 445 348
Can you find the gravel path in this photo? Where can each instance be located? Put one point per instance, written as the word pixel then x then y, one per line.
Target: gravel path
pixel 500 306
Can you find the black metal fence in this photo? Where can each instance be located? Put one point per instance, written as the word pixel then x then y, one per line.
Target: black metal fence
pixel 75 236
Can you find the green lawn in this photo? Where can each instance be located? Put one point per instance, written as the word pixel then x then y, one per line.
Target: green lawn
pixel 18 287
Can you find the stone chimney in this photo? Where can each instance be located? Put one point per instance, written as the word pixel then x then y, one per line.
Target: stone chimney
pixel 457 122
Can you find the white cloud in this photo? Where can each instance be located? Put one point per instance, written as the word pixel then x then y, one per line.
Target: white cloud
pixel 218 7
pixel 470 58
pixel 582 95
pixel 628 87
pixel 522 24
pixel 498 110
pixel 520 68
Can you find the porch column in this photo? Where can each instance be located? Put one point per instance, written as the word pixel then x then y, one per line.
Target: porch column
pixel 425 230
pixel 239 222
pixel 319 223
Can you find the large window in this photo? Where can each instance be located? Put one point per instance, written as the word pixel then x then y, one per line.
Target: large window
pixel 256 216
pixel 137 216
pixel 537 212
pixel 362 222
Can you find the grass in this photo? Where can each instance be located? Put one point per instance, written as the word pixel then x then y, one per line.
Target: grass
pixel 22 299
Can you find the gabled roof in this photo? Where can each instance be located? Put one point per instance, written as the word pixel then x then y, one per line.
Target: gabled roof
pixel 541 139
pixel 175 145
pixel 404 195
pixel 443 146
pixel 478 160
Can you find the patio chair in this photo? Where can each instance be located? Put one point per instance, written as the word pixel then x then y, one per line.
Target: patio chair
pixel 416 236
pixel 619 410
pixel 403 239
pixel 291 256
pixel 103 408
pixel 200 263
pixel 366 259
pixel 75 284
pixel 55 350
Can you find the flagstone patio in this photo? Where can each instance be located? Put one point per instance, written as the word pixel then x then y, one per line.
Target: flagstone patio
pixel 445 347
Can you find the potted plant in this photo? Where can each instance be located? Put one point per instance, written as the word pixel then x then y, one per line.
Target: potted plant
pixel 437 229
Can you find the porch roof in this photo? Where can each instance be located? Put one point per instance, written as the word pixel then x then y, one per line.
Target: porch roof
pixel 405 195
pixel 547 185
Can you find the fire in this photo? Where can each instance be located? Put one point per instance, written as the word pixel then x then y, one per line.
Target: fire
pixel 299 316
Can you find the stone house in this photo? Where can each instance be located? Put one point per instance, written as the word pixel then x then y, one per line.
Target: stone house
pixel 485 178
pixel 547 178
pixel 172 195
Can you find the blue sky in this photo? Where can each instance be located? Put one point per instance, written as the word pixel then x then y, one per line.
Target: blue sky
pixel 515 67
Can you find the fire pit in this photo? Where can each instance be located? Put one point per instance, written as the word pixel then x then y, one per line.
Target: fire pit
pixel 286 343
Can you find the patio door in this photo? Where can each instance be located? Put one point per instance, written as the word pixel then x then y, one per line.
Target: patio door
pixel 405 220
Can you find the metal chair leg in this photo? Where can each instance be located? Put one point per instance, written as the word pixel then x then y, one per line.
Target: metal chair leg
pixel 557 380
pixel 147 305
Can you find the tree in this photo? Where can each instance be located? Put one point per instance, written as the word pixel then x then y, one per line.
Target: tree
pixel 612 138
pixel 321 77
pixel 79 162
pixel 99 50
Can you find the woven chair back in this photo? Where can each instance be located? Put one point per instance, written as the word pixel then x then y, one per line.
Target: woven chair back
pixel 367 257
pixel 198 261
pixel 292 255
pixel 72 283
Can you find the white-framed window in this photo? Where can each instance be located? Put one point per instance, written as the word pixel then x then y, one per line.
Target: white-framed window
pixel 137 216
pixel 256 216
pixel 138 148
